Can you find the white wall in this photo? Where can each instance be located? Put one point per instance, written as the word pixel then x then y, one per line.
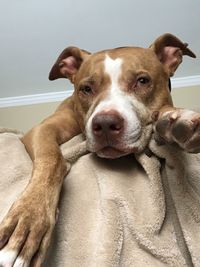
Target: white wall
pixel 34 32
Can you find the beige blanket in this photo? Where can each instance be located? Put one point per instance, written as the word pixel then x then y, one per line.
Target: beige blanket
pixel 134 211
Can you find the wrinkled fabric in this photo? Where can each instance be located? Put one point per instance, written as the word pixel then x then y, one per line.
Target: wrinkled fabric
pixel 134 211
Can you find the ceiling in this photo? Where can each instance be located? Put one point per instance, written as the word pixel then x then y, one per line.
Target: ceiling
pixel 34 32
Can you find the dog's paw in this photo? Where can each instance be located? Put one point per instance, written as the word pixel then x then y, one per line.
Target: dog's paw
pixel 26 231
pixel 179 126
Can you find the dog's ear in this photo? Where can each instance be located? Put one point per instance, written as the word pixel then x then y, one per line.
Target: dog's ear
pixel 68 63
pixel 170 51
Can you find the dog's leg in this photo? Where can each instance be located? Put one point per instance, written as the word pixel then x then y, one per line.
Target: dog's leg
pixel 26 230
pixel 180 126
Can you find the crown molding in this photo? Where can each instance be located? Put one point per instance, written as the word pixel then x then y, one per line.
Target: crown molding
pixel 34 99
pixel 59 96
pixel 185 81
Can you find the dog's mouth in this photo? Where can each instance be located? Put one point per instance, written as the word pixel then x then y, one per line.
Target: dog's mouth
pixel 111 146
pixel 112 152
pixel 113 134
pixel 106 148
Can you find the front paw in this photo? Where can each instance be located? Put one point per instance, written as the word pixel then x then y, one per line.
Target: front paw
pixel 179 126
pixel 25 232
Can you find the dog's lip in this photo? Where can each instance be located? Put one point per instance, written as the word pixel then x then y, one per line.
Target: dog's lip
pixel 113 152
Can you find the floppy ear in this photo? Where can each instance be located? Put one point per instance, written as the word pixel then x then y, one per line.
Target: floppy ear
pixel 170 51
pixel 68 63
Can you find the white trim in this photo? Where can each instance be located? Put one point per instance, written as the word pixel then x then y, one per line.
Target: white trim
pixel 34 99
pixel 59 96
pixel 185 81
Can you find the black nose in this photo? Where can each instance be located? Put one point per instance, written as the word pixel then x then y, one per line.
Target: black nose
pixel 109 124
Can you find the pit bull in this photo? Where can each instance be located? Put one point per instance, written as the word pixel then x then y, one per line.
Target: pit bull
pixel 121 97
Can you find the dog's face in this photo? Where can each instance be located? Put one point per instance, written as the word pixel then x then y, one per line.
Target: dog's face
pixel 117 91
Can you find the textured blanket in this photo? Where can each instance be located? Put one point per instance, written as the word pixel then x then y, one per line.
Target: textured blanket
pixel 135 211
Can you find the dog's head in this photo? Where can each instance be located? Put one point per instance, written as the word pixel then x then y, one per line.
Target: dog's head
pixel 117 91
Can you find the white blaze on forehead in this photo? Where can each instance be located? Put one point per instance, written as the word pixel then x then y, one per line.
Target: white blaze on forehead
pixel 115 97
pixel 113 69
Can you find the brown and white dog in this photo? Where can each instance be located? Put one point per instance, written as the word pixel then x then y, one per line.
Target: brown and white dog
pixel 119 94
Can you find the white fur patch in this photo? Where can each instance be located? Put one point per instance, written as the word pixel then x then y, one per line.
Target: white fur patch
pixel 7 257
pixel 182 113
pixel 113 69
pixel 20 263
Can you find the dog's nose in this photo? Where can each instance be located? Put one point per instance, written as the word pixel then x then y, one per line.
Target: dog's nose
pixel 109 124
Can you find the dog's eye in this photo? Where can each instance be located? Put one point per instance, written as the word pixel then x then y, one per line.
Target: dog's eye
pixel 143 80
pixel 86 89
pixel 142 84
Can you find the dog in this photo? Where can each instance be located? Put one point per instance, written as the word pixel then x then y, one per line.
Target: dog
pixel 121 97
